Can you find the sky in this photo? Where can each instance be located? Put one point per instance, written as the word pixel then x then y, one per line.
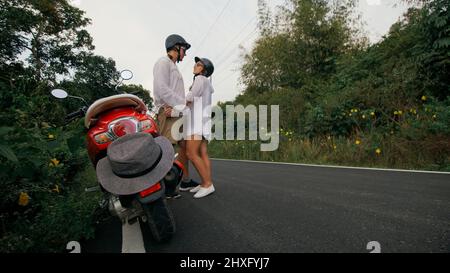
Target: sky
pixel 133 33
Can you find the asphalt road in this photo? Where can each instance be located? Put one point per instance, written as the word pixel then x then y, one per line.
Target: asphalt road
pixel 290 209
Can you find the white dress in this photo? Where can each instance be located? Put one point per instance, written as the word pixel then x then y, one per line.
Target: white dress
pixel 199 118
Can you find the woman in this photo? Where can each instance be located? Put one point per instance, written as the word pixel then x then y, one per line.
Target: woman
pixel 198 131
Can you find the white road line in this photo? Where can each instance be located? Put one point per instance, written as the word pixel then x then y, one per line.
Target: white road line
pixel 330 166
pixel 132 240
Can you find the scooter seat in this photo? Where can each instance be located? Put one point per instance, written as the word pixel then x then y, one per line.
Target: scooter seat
pixel 111 102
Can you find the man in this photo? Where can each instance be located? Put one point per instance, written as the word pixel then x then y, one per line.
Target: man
pixel 168 88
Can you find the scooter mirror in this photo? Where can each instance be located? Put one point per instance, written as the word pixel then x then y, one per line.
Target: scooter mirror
pixel 59 93
pixel 126 75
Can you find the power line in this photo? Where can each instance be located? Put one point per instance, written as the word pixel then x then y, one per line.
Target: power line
pixel 234 39
pixel 211 28
pixel 223 80
pixel 232 51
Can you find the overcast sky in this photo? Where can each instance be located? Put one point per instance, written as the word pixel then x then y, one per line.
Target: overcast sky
pixel 133 32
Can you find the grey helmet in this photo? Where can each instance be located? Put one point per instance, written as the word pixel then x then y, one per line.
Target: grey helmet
pixel 174 40
pixel 209 67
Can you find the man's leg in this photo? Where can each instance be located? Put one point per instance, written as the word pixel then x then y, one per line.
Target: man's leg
pixel 182 157
pixel 165 126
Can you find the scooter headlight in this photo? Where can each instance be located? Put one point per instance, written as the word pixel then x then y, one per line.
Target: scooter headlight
pixel 124 127
pixel 121 127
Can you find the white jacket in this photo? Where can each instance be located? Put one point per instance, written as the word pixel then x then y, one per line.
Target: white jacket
pixel 168 85
pixel 200 95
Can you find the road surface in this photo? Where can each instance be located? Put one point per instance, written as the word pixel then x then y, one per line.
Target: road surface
pixel 290 209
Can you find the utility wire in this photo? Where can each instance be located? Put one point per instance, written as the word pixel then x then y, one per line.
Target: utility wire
pixel 232 51
pixel 211 28
pixel 234 39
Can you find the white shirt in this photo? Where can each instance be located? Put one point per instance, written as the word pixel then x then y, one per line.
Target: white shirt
pixel 200 110
pixel 168 85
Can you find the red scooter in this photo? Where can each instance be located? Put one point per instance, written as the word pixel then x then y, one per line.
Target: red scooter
pixel 108 119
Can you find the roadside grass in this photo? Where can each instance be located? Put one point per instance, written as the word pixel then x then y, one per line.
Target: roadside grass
pixel 396 153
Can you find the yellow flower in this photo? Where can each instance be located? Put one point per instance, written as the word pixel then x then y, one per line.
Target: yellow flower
pixel 51 136
pixel 24 199
pixel 329 138
pixel 434 116
pixel 424 98
pixel 364 116
pixel 372 114
pixel 378 151
pixel 350 115
pixel 396 113
pixel 358 142
pixel 352 110
pixel 54 162
pixel 356 110
pixel 400 113
pixel 56 189
pixel 335 147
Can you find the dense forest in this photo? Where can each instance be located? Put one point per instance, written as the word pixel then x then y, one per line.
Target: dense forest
pixel 343 100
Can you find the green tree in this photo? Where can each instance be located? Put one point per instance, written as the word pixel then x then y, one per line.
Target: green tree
pixel 139 91
pixel 50 32
pixel 305 43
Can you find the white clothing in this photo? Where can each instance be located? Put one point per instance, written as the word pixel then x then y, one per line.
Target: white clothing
pixel 199 121
pixel 168 85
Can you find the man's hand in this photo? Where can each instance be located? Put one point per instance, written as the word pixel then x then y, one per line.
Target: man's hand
pixel 168 111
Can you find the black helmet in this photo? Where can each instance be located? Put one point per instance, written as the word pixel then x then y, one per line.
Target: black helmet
pixel 209 67
pixel 174 40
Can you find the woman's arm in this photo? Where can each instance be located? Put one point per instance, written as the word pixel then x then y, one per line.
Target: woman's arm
pixel 196 90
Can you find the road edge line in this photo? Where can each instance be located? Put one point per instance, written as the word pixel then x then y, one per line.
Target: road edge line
pixel 331 166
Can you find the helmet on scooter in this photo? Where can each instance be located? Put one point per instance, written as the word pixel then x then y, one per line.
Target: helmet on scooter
pixel 209 66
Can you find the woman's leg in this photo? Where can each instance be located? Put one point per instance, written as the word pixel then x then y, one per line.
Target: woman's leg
pixel 205 157
pixel 193 154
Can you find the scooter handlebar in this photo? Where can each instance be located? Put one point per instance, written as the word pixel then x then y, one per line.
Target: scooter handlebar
pixel 76 114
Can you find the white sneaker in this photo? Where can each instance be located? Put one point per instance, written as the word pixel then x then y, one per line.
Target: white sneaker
pixel 204 192
pixel 196 189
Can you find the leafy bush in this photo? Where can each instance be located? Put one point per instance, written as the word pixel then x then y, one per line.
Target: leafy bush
pixel 44 165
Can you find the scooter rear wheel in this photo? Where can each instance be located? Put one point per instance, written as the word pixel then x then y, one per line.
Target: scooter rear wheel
pixel 160 220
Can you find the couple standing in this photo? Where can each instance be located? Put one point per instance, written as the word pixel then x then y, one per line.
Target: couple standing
pixel 172 103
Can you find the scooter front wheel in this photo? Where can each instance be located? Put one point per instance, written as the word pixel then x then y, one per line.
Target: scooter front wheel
pixel 160 220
